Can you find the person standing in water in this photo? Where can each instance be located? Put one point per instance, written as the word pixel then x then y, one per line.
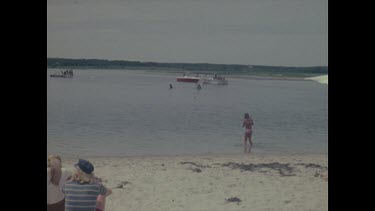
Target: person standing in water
pixel 199 87
pixel 248 123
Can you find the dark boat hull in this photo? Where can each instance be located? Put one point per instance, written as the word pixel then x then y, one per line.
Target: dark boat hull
pixel 188 80
pixel 61 76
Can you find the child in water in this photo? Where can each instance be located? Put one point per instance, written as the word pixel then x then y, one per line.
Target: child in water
pixel 199 87
pixel 248 123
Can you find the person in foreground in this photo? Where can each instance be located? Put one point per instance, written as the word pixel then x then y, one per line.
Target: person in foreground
pixel 248 124
pixel 83 190
pixel 56 178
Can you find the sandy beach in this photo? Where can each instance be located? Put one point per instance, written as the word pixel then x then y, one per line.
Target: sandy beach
pixel 320 79
pixel 214 182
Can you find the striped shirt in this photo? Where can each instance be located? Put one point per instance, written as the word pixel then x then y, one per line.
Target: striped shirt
pixel 82 197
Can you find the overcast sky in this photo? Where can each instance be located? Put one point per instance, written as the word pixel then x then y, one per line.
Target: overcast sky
pixel 255 32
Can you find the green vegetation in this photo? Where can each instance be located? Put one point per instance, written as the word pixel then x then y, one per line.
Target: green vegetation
pixel 224 69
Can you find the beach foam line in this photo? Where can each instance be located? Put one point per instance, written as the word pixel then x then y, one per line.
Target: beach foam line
pixel 320 79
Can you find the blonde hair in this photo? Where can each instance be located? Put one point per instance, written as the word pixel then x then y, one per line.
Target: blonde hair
pixel 82 177
pixel 52 158
pixel 54 163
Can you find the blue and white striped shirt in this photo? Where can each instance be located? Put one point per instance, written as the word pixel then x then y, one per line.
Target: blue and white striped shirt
pixel 82 197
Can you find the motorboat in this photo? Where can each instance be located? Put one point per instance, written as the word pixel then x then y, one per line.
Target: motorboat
pixel 63 74
pixel 189 79
pixel 215 79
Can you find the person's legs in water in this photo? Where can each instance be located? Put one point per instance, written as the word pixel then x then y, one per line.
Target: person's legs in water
pixel 245 143
pixel 247 137
pixel 250 143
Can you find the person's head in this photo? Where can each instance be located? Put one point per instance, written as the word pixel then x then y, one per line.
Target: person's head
pixel 53 160
pixel 54 163
pixel 83 172
pixel 247 116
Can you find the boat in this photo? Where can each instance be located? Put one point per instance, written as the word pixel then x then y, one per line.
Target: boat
pixel 189 79
pixel 63 74
pixel 60 76
pixel 215 79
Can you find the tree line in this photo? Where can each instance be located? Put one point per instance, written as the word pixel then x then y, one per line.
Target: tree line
pixel 196 67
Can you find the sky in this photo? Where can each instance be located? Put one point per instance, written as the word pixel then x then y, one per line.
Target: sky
pixel 252 32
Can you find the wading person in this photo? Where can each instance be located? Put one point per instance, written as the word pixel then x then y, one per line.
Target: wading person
pixel 247 124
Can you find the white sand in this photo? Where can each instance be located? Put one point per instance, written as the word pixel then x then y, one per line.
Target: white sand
pixel 321 79
pixel 166 184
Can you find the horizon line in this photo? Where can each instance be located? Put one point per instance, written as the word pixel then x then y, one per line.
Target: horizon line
pixel 181 62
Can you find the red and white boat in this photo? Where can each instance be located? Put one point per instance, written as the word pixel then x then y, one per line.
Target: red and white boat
pixel 189 79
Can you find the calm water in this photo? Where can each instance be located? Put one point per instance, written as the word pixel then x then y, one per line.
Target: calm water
pixel 124 113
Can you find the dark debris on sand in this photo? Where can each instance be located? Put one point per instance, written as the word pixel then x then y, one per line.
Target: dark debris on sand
pixel 122 184
pixel 233 199
pixel 194 164
pixel 312 165
pixel 283 169
pixel 197 170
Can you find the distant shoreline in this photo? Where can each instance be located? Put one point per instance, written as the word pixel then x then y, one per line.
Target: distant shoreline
pixel 259 71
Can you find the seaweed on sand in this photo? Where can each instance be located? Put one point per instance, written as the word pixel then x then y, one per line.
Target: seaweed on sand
pixel 312 165
pixel 192 163
pixel 283 169
pixel 233 199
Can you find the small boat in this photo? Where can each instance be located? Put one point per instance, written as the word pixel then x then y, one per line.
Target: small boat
pixel 216 79
pixel 60 76
pixel 189 79
pixel 63 74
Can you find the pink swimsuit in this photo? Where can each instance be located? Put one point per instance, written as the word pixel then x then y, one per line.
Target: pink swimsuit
pixel 248 123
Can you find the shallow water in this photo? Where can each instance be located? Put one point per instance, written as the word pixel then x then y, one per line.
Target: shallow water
pixel 124 113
